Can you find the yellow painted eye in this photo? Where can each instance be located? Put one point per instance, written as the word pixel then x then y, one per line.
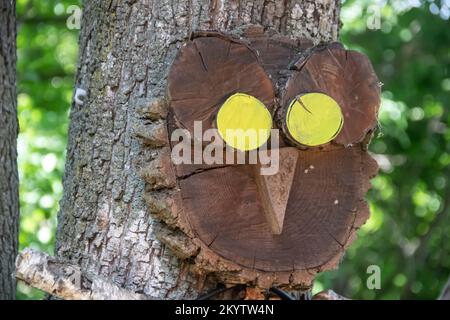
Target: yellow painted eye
pixel 244 122
pixel 314 118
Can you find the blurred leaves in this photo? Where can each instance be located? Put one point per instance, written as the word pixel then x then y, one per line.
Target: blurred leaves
pixel 407 235
pixel 47 54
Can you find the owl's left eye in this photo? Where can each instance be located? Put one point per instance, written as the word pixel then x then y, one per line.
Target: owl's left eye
pixel 244 122
pixel 314 119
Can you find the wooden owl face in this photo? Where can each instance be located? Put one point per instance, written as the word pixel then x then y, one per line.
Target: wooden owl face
pixel 277 229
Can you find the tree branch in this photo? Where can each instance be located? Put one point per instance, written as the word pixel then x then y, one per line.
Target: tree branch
pixel 67 281
pixel 445 294
pixel 329 295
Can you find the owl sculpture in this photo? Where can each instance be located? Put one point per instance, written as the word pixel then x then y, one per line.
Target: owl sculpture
pixel 230 220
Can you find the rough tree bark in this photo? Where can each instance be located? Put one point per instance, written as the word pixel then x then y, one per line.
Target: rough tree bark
pixel 126 48
pixel 9 192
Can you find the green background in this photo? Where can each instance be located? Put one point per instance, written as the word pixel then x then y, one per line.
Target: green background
pixel 407 236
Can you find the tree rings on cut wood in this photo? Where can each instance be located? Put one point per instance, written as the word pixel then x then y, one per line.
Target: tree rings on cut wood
pixel 279 229
pixel 347 77
pixel 228 215
pixel 206 72
pixel 276 52
pixel 313 119
pixel 244 122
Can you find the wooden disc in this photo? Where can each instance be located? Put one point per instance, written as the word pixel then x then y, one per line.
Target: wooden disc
pixel 346 76
pixel 225 211
pixel 277 52
pixel 313 119
pixel 244 122
pixel 283 229
pixel 206 72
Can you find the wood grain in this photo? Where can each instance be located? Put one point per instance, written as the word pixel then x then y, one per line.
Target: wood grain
pixel 206 72
pixel 274 189
pixel 278 230
pixel 228 216
pixel 348 77
pixel 276 52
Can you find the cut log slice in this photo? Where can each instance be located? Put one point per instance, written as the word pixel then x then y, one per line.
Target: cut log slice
pixel 227 214
pixel 346 76
pixel 277 52
pixel 228 219
pixel 206 72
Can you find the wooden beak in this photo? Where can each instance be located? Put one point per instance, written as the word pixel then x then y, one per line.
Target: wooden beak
pixel 274 189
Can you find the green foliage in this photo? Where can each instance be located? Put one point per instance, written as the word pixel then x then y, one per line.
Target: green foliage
pixel 407 234
pixel 47 53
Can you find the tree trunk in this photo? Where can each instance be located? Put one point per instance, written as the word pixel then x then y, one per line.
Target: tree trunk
pixel 126 48
pixel 9 181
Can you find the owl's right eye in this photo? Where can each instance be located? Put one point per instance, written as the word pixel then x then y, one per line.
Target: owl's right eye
pixel 244 122
pixel 314 119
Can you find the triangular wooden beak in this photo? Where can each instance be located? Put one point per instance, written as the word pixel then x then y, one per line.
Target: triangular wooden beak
pixel 274 189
